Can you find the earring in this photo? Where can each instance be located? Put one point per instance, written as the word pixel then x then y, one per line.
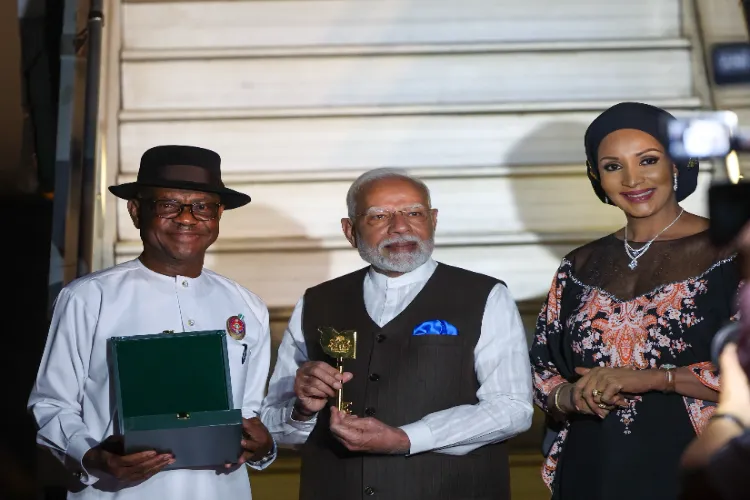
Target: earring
pixel 606 200
pixel 675 182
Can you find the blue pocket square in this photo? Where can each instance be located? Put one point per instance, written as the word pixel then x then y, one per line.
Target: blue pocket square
pixel 435 327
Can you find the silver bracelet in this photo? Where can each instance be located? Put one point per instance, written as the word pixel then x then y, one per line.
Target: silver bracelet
pixel 265 459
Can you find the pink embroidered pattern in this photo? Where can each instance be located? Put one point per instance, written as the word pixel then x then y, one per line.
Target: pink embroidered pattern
pixel 550 464
pixel 638 333
pixel 706 373
pixel 546 386
pixel 700 412
pixel 632 333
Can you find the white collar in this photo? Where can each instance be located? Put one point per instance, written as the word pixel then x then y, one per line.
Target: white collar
pixel 420 274
pixel 163 277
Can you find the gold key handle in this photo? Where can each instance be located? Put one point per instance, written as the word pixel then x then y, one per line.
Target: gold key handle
pixel 339 345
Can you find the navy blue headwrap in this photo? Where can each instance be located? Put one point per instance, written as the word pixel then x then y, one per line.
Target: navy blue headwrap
pixel 638 116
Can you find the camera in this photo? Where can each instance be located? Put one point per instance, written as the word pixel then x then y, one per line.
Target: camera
pixel 714 136
pixel 718 136
pixel 703 136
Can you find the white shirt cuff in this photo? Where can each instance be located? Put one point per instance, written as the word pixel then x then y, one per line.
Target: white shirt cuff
pixel 420 437
pixel 78 445
pixel 300 425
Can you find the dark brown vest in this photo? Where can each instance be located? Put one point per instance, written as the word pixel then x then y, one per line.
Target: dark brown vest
pixel 399 378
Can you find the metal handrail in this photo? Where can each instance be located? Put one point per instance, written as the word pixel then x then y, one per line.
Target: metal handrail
pixel 75 165
pixel 95 25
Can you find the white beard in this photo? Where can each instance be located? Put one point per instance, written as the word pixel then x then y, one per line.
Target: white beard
pixel 401 262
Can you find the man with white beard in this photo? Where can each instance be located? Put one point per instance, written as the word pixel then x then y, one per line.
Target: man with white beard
pixel 441 377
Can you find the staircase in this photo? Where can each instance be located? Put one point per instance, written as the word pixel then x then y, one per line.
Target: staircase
pixel 486 100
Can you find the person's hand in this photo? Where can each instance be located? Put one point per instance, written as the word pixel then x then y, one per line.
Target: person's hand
pixel 315 382
pixel 600 390
pixel 256 443
pixel 127 468
pixel 368 434
pixel 572 394
pixel 734 397
pixel 734 400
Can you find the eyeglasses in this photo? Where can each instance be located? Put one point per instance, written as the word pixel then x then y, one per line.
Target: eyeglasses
pixel 170 209
pixel 379 217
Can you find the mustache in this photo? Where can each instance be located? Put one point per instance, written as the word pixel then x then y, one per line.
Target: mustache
pixel 409 238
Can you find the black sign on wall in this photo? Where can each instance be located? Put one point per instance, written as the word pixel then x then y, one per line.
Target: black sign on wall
pixel 731 63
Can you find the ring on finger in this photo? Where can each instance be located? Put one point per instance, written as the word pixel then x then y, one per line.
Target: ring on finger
pixel 602 406
pixel 596 392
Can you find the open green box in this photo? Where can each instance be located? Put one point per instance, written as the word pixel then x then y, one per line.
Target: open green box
pixel 174 394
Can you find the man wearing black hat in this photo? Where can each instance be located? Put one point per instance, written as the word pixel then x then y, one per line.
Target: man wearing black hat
pixel 176 203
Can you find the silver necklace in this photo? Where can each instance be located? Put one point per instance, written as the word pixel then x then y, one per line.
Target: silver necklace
pixel 636 254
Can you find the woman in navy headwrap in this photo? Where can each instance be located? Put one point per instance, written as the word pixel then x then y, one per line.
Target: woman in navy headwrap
pixel 621 356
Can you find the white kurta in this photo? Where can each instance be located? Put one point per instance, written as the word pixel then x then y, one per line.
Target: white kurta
pixel 71 397
pixel 501 362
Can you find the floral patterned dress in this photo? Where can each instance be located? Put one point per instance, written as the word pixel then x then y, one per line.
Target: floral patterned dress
pixel 599 312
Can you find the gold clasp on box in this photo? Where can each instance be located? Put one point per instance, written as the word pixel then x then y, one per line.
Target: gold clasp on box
pixel 183 415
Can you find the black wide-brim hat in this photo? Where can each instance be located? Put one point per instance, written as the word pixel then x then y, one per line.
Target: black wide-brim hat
pixel 181 167
pixel 643 117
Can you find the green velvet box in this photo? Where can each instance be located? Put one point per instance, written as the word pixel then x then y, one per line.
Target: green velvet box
pixel 174 394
